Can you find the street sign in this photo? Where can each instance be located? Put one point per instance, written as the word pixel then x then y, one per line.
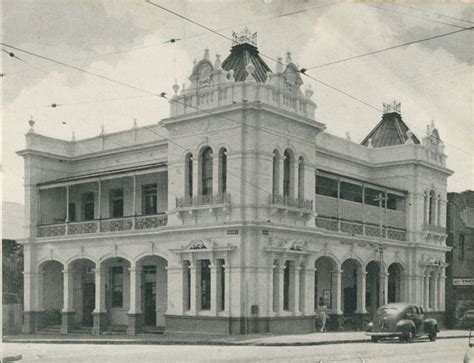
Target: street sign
pixel 463 282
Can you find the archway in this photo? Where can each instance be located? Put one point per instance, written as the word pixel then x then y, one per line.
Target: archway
pixel 153 292
pixel 349 285
pixel 324 285
pixel 83 290
pixel 395 283
pixel 52 291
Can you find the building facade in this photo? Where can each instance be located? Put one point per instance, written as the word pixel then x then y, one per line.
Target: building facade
pixel 460 271
pixel 236 214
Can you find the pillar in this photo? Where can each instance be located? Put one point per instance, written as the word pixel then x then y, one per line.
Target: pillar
pixel 214 288
pixel 441 291
pixel 361 291
pixel 196 181
pixel 295 286
pixel 67 313
pixel 384 286
pixel 195 298
pixel 337 289
pixel 99 313
pixel 426 291
pixel 215 173
pixel 435 292
pixel 134 201
pixel 228 289
pixel 294 179
pixel 135 315
pixel 281 282
pixel 29 313
pixel 271 293
pixel 281 173
pixel 309 291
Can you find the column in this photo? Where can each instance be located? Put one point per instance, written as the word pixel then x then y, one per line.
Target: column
pixel 338 204
pixel 68 308
pixel 294 185
pixel 134 207
pixel 196 181
pixel 194 288
pixel 309 291
pixel 99 203
pixel 281 282
pixel 337 290
pixel 435 293
pixel 425 208
pixel 214 287
pixel 281 173
pixel 426 291
pixel 441 291
pixel 270 293
pixel 295 285
pixel 100 314
pixel 361 291
pixel 384 286
pixel 215 173
pixel 67 210
pixel 228 290
pixel 29 315
pixel 135 315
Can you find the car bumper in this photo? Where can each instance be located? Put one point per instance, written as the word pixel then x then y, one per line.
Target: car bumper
pixel 387 334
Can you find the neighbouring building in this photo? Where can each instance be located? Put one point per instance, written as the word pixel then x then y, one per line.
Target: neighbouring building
pixel 460 270
pixel 236 214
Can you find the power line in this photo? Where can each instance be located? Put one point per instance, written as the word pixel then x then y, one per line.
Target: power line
pixel 387 49
pixel 416 16
pixel 438 14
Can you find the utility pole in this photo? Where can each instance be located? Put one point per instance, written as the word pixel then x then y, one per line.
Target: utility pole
pixel 380 248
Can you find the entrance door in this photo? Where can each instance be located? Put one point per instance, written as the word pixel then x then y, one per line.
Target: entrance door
pixel 150 303
pixel 350 300
pixel 88 303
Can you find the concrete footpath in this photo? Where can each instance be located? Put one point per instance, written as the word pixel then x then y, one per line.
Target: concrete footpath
pixel 232 340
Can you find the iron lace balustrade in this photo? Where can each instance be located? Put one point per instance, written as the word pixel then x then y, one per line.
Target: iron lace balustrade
pixel 286 201
pixel 202 200
pixel 434 228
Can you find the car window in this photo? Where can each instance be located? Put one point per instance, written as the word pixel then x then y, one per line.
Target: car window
pixel 421 310
pixel 388 312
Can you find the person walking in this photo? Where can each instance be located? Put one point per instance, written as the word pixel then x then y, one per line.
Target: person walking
pixel 322 314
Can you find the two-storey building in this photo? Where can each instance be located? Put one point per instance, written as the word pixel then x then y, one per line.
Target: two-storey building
pixel 236 214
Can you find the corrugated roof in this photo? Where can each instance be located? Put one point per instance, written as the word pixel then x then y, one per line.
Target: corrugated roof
pixel 240 55
pixel 391 130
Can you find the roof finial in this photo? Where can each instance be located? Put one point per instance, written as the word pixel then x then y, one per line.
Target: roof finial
pixel 250 68
pixel 369 144
pixel 135 125
pixel 394 106
pixel 206 54
pixel 244 37
pixel 279 67
pixel 31 122
pixel 308 92
pixel 409 140
pixel 230 76
pixel 102 130
pixel 348 136
pixel 175 87
pixel 288 58
pixel 218 62
pixel 73 138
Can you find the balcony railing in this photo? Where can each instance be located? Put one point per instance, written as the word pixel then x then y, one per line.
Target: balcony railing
pixel 203 200
pixel 286 201
pixel 359 228
pixel 103 225
pixel 433 228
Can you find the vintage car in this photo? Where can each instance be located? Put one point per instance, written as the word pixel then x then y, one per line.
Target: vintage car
pixel 402 320
pixel 468 321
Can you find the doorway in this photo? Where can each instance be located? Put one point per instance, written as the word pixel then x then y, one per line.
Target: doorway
pixel 150 303
pixel 88 303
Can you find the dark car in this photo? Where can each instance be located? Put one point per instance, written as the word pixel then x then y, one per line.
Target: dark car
pixel 467 320
pixel 402 320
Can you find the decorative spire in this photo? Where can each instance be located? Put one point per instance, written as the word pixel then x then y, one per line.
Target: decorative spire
pixel 308 92
pixel 409 138
pixel 175 87
pixel 279 66
pixel 31 122
pixel 135 125
pixel 370 145
pixel 73 138
pixel 218 62
pixel 250 68
pixel 288 58
pixel 206 54
pixel 348 136
pixel 244 37
pixel 230 76
pixel 392 107
pixel 102 130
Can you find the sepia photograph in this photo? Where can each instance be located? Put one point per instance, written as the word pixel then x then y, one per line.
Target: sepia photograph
pixel 237 181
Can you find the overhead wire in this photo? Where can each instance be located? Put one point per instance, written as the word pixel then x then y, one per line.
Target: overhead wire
pixel 437 13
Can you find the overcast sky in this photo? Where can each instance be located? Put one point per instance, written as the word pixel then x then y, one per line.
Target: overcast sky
pixel 123 40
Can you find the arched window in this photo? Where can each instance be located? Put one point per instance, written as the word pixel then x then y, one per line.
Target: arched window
pixel 438 219
pixel 223 171
pixel 206 171
pixel 432 206
pixel 276 172
pixel 286 174
pixel 188 175
pixel 301 178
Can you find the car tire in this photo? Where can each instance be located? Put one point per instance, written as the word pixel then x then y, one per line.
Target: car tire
pixel 432 337
pixel 408 336
pixel 375 339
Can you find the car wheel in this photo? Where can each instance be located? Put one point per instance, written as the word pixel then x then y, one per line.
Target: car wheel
pixel 375 339
pixel 432 337
pixel 408 336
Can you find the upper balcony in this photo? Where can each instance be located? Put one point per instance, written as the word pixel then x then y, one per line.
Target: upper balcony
pixel 124 200
pixel 212 203
pixel 285 204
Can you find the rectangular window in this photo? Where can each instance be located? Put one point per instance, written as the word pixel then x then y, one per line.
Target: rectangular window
pixel 371 196
pixel 205 285
pixel 351 192
pixel 116 203
pixel 149 199
pixel 395 202
pixel 87 200
pixel 72 212
pixel 462 246
pixel 117 286
pixel 326 186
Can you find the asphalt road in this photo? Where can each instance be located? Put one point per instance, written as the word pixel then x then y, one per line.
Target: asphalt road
pixel 445 351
